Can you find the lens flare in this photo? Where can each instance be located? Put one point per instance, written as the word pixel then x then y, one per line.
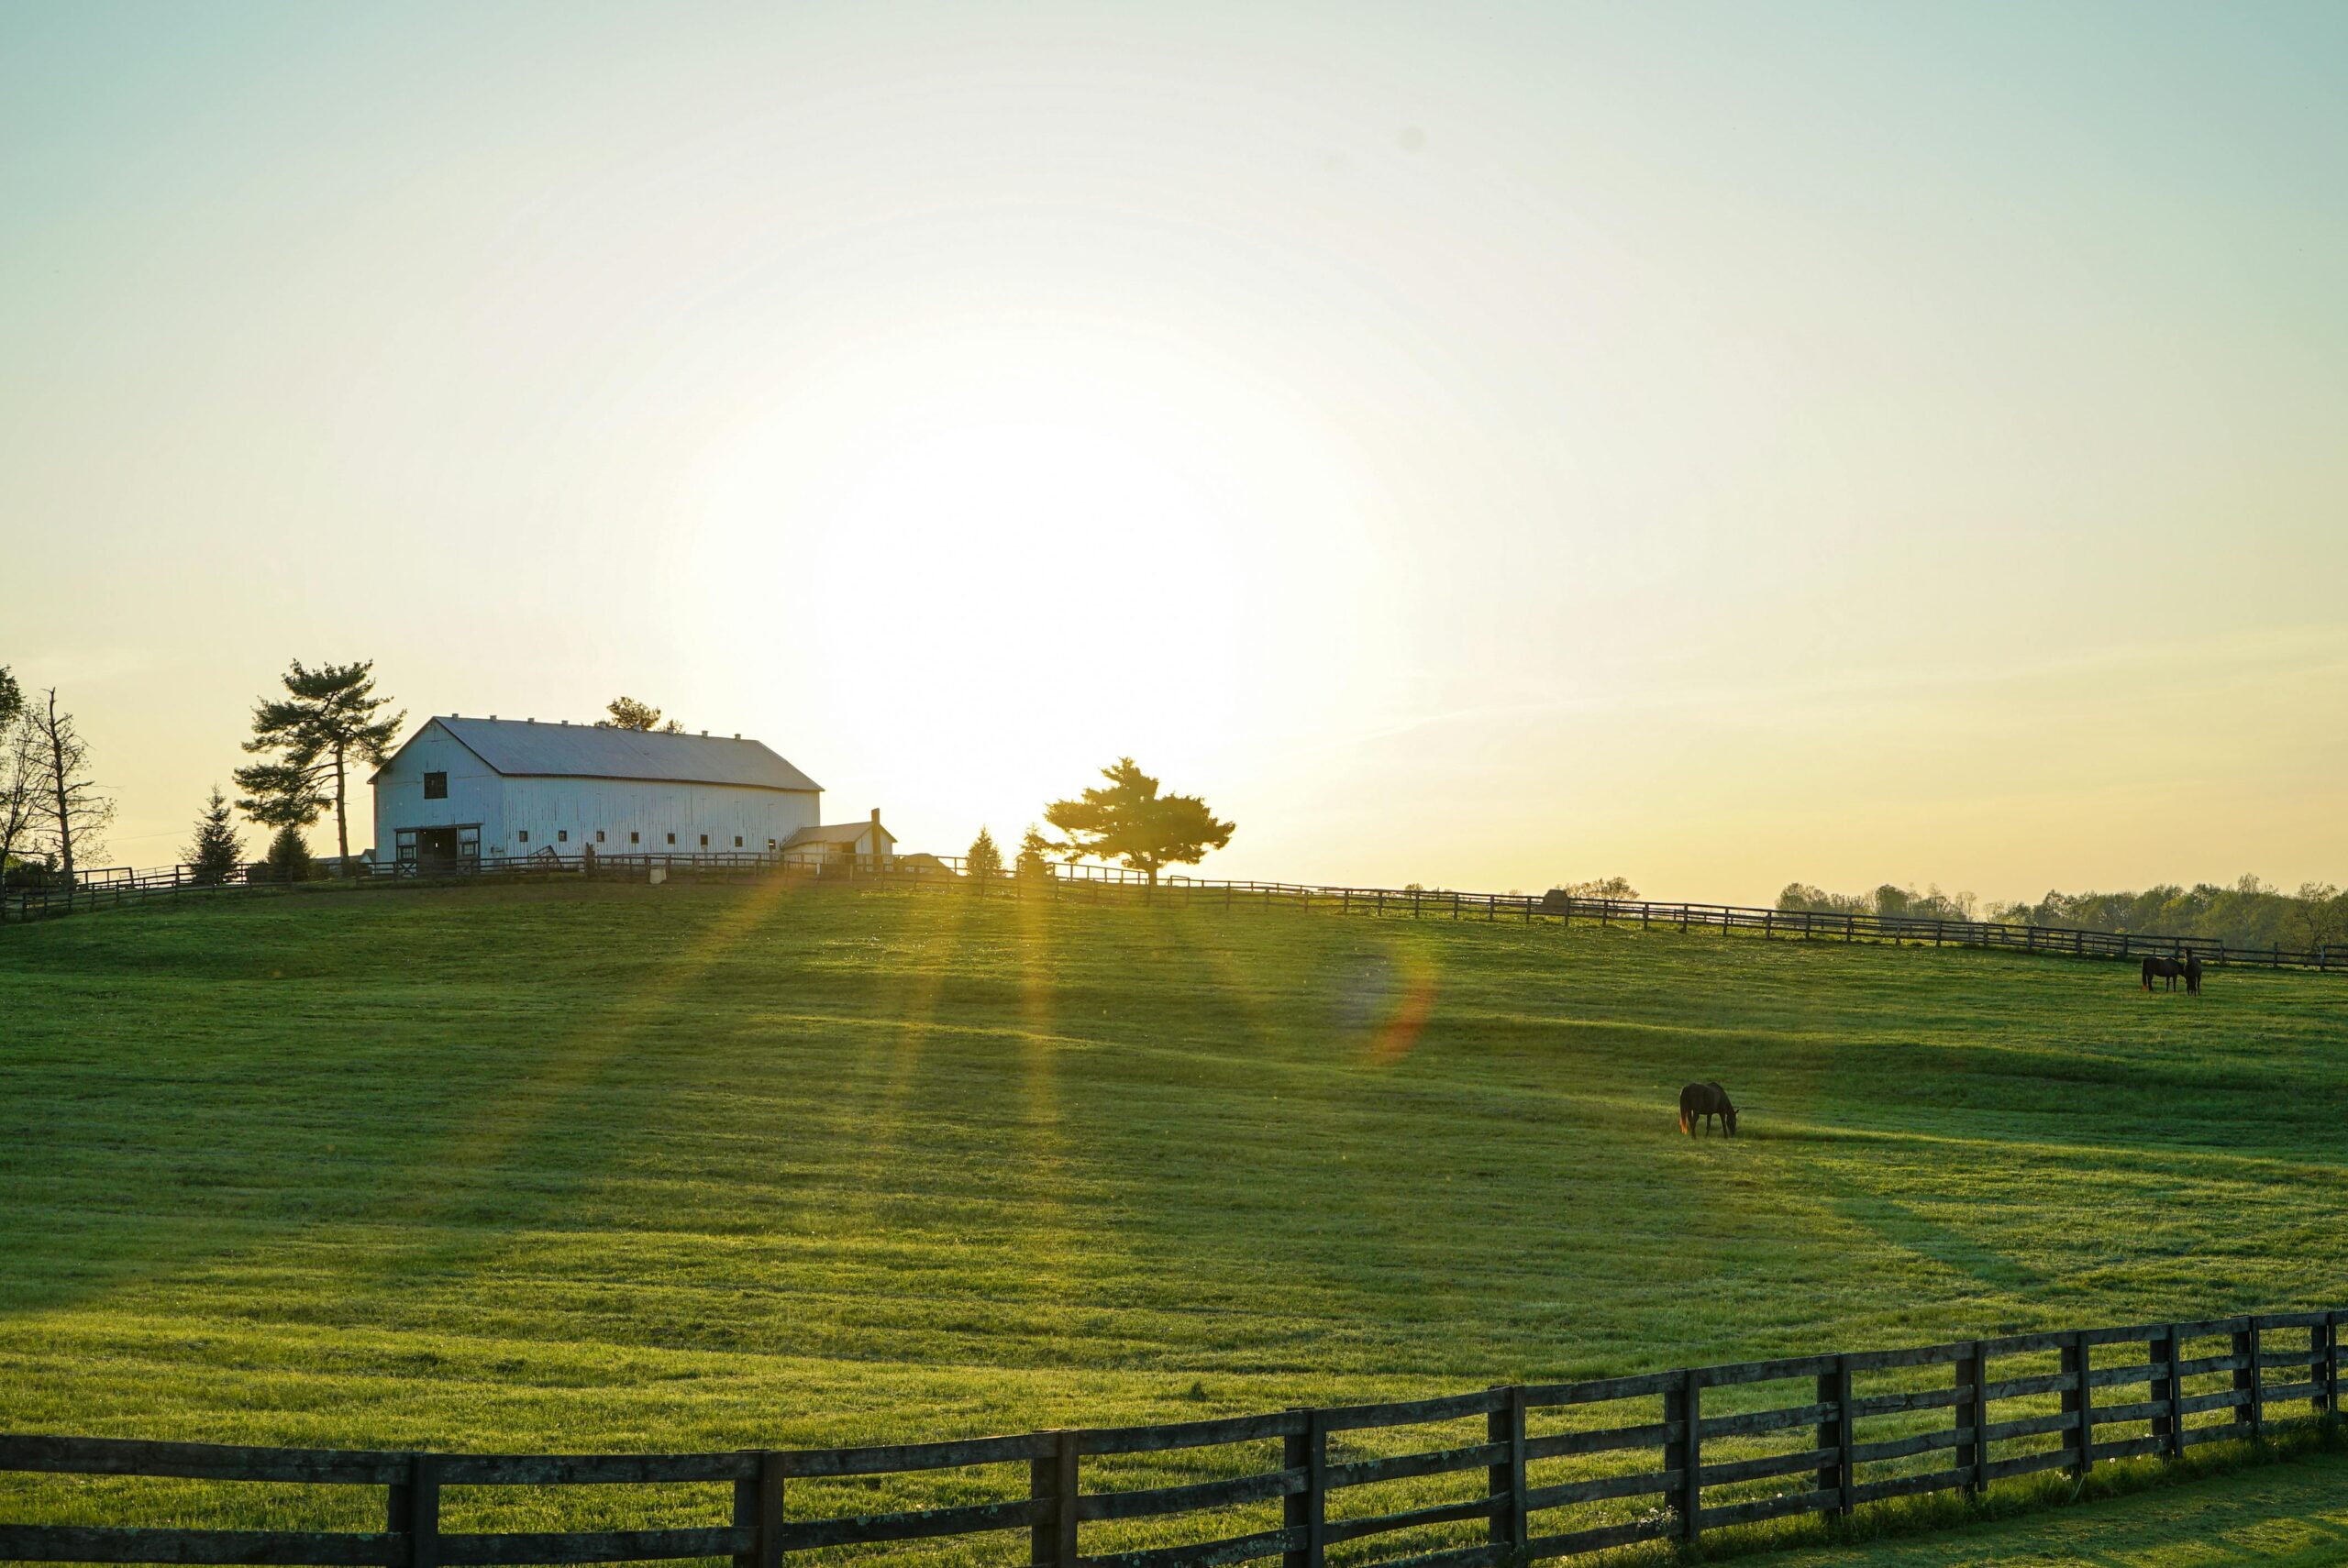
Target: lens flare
pixel 1387 1002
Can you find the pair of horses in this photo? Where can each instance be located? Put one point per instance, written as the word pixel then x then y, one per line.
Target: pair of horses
pixel 2187 968
pixel 1701 1102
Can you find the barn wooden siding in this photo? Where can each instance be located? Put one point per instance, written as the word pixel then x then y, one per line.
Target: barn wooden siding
pixel 1678 1450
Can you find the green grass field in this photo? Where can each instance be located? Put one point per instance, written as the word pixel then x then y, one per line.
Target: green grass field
pixel 685 1169
pixel 2291 1515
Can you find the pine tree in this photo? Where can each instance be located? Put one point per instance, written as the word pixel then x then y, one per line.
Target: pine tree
pixel 289 856
pixel 983 863
pixel 627 713
pixel 1034 855
pixel 1130 821
pixel 328 724
pixel 217 851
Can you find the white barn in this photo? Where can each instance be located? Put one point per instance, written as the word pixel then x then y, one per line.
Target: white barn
pixel 464 790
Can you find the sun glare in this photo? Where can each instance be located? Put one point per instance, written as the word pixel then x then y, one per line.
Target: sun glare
pixel 988 537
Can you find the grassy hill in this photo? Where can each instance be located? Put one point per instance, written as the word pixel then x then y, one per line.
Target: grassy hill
pixel 692 1169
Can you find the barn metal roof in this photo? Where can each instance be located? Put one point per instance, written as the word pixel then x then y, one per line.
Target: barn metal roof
pixel 525 748
pixel 835 833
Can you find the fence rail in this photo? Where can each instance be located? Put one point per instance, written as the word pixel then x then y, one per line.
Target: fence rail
pixel 1666 1447
pixel 119 886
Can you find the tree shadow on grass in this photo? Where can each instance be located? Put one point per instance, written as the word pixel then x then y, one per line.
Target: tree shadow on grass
pixel 379 1122
pixel 1903 1227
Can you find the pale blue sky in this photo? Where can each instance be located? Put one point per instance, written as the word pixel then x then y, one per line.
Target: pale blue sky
pixel 1716 444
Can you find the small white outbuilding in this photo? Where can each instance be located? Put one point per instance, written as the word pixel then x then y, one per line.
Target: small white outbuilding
pixel 463 791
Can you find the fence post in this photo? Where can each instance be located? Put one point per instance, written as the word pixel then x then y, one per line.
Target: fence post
pixel 1973 1376
pixel 1307 1511
pixel 2176 1387
pixel 2328 1371
pixel 2159 1351
pixel 1834 1432
pixel 1504 1482
pixel 2332 1367
pixel 2079 1400
pixel 415 1511
pixel 1687 1407
pixel 1051 1481
pixel 2246 1343
pixel 758 1507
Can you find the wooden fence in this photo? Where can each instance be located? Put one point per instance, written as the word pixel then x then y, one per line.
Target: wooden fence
pixel 2076 1399
pixel 119 886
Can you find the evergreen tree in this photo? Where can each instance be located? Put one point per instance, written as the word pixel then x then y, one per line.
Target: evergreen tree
pixel 289 856
pixel 1130 821
pixel 627 713
pixel 1034 854
pixel 327 722
pixel 983 863
pixel 217 851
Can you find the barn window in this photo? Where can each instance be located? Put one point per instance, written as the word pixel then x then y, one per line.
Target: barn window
pixel 599 835
pixel 632 838
pixel 738 840
pixel 705 840
pixel 673 838
pixel 525 835
pixel 562 835
pixel 769 846
pixel 436 786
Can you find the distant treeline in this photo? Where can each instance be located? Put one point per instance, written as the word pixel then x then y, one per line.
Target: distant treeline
pixel 2246 913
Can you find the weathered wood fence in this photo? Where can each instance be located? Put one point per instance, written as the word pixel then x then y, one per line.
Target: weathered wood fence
pixel 2073 1400
pixel 117 887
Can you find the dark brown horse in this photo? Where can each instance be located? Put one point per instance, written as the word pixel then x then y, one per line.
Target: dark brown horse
pixel 2193 973
pixel 2169 969
pixel 1701 1102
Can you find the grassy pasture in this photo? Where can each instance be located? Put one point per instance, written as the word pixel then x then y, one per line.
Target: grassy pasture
pixel 685 1169
pixel 2286 1516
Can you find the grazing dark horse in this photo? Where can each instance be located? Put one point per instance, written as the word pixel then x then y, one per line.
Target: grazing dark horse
pixel 1701 1102
pixel 2193 973
pixel 2169 969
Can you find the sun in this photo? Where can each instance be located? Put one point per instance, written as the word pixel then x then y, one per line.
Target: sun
pixel 1031 556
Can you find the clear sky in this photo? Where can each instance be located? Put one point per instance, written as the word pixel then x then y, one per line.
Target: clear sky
pixel 1487 445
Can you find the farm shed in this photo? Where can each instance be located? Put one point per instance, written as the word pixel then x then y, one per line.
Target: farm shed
pixel 469 789
pixel 861 842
